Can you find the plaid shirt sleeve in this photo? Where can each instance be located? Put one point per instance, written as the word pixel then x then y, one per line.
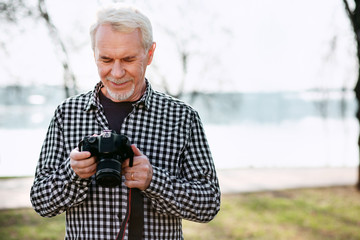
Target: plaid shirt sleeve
pixel 57 187
pixel 194 194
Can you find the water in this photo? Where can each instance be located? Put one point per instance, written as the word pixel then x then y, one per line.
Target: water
pixel 310 142
pixel 259 130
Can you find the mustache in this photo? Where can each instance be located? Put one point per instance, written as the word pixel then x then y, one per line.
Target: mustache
pixel 118 80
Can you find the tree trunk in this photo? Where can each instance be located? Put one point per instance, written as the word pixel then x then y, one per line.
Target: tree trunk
pixel 354 16
pixel 356 25
pixel 357 93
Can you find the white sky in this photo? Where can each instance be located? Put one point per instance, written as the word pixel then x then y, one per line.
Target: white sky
pixel 256 45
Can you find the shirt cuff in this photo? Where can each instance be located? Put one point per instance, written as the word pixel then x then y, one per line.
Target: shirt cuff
pixel 158 183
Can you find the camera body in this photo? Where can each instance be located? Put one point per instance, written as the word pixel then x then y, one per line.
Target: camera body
pixel 111 150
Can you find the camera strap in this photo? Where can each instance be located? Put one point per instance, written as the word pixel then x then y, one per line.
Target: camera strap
pixel 134 216
pixel 137 215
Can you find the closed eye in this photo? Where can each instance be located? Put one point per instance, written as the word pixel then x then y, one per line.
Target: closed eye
pixel 105 59
pixel 129 59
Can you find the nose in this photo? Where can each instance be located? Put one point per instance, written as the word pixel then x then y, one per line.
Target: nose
pixel 117 70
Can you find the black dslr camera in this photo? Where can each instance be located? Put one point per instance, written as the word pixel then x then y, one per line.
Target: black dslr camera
pixel 111 150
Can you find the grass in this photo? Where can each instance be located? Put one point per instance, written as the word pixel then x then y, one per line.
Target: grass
pixel 26 224
pixel 302 214
pixel 12 177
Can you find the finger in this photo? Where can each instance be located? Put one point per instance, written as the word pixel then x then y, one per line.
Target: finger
pixel 132 180
pixel 130 176
pixel 83 163
pixel 135 180
pixel 76 155
pixel 136 162
pixel 84 168
pixel 85 173
pixel 136 151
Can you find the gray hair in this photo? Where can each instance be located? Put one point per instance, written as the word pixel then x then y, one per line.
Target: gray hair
pixel 123 19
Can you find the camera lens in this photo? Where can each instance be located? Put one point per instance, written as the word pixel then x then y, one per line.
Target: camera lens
pixel 108 173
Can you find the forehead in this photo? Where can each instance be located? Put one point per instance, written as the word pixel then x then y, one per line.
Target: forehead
pixel 108 40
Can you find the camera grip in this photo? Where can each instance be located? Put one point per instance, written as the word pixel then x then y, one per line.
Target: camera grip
pixel 85 145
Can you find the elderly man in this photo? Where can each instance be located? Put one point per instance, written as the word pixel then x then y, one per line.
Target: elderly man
pixel 172 175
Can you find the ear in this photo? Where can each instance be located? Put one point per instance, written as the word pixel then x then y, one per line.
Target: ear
pixel 151 53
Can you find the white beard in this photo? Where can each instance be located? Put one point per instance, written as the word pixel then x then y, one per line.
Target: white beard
pixel 123 95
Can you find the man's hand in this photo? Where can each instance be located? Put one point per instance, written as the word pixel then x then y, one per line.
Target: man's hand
pixel 140 174
pixel 82 163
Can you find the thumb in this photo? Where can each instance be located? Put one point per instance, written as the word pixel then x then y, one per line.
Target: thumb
pixel 136 151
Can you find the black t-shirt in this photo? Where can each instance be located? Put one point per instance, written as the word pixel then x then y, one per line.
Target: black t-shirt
pixel 115 112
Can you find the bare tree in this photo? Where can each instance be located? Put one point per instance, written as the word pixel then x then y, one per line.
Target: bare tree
pixel 12 11
pixel 354 16
pixel 69 84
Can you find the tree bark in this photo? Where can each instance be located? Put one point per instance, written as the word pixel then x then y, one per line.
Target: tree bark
pixel 354 16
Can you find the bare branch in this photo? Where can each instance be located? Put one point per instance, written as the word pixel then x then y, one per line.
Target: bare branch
pixel 352 16
pixel 69 77
pixel 15 10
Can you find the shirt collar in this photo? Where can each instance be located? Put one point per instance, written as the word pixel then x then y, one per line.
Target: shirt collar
pixel 144 101
pixel 94 101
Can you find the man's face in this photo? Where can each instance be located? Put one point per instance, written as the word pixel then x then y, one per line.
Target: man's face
pixel 121 60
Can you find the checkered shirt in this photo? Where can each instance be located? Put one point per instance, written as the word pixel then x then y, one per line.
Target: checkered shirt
pixel 169 132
